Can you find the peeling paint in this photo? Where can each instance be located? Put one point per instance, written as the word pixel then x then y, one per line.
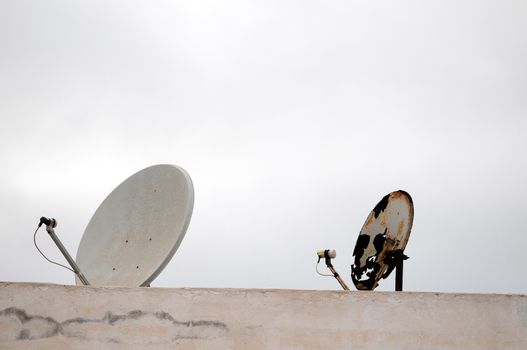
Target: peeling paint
pixel 381 205
pixel 386 229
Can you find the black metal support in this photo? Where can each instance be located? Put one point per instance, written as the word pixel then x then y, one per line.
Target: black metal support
pixel 399 275
pixel 395 260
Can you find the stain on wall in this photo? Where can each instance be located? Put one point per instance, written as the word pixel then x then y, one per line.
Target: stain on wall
pixel 134 327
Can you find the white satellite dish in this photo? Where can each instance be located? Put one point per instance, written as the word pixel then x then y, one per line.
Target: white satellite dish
pixel 137 229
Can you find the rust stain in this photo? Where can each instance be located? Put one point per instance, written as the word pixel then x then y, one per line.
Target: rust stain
pixel 398 194
pixel 400 229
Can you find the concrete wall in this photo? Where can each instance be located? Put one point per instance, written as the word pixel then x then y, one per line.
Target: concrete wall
pixel 46 316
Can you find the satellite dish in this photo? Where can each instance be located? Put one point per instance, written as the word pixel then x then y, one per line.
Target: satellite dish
pixel 137 229
pixel 382 240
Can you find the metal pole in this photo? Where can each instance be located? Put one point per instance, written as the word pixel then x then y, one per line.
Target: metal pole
pixel 399 275
pixel 328 258
pixel 339 279
pixel 64 252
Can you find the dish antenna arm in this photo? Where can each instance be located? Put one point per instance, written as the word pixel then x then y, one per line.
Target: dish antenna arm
pixel 50 228
pixel 328 255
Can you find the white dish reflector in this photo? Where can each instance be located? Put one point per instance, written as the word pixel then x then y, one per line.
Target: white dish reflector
pixel 137 229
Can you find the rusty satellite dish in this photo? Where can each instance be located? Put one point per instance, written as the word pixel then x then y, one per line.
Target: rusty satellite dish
pixel 137 229
pixel 381 242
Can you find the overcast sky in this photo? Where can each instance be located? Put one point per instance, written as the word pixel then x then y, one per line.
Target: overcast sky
pixel 293 118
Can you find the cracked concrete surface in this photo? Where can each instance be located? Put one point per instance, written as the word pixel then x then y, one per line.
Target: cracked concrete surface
pixel 126 329
pixel 46 316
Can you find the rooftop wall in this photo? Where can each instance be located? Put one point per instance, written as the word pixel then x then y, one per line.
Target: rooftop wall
pixel 46 316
